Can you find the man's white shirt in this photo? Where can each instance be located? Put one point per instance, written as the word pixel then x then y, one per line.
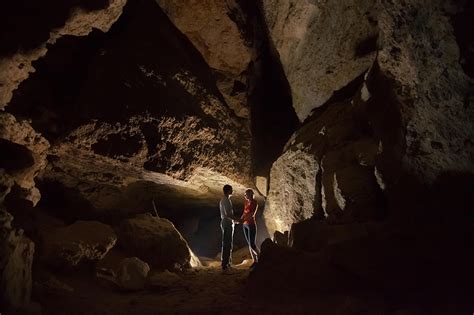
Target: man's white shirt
pixel 225 205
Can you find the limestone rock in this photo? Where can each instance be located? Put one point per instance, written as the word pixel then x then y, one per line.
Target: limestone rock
pixel 16 68
pixel 155 241
pixel 327 170
pixel 262 185
pixel 431 86
pixel 323 45
pixel 160 123
pixel 132 274
pixel 292 190
pixel 209 26
pixel 16 259
pixel 23 156
pixel 78 242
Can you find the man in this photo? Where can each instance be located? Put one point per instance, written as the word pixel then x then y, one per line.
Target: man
pixel 227 226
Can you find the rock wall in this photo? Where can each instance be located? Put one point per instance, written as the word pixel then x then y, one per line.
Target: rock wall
pixel 145 110
pixel 17 65
pixel 212 27
pixel 322 45
pixel 390 131
pixel 15 265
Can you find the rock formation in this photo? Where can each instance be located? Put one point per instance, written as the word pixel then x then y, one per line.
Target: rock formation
pixel 17 67
pixel 82 241
pixel 388 125
pixel 322 45
pixel 15 265
pixel 156 241
pixel 212 27
pixel 353 118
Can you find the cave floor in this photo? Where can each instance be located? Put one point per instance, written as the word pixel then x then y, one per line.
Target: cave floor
pixel 201 290
pixel 206 290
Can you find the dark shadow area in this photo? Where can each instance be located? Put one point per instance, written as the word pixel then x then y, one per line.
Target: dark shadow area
pixel 64 203
pixel 48 96
pixel 117 145
pixel 463 24
pixel 366 46
pixel 25 24
pixel 273 118
pixel 14 157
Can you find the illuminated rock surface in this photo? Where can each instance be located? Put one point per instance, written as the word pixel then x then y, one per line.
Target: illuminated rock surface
pixel 354 120
pixel 155 240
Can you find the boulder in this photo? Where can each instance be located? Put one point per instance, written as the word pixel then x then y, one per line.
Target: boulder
pixel 132 274
pixel 154 240
pixel 16 259
pixel 79 242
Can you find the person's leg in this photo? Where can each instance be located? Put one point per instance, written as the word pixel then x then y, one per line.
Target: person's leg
pixel 252 243
pixel 231 241
pixel 226 244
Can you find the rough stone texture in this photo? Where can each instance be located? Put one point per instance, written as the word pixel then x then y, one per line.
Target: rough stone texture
pixel 132 274
pixel 262 185
pixel 154 240
pixel 422 58
pixel 16 68
pixel 408 120
pixel 156 119
pixel 323 45
pixel 292 190
pixel 209 26
pixel 23 156
pixel 82 241
pixel 327 170
pixel 16 259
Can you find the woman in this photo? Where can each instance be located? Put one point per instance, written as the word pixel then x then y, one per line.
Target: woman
pixel 249 224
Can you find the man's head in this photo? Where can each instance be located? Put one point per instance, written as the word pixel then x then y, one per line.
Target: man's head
pixel 227 190
pixel 249 194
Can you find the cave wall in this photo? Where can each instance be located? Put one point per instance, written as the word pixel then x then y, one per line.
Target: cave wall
pixel 142 101
pixel 377 140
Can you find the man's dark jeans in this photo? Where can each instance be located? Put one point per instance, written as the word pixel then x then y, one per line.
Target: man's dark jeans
pixel 227 227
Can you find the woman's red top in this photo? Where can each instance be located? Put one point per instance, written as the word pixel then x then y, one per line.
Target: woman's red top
pixel 250 210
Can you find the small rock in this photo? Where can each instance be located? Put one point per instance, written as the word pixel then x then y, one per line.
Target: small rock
pixel 132 274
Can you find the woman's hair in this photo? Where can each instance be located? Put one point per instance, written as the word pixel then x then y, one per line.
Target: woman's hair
pixel 249 192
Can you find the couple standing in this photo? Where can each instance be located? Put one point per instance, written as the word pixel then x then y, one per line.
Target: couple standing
pixel 227 225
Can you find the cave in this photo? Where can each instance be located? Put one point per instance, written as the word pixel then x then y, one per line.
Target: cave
pixel 123 121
